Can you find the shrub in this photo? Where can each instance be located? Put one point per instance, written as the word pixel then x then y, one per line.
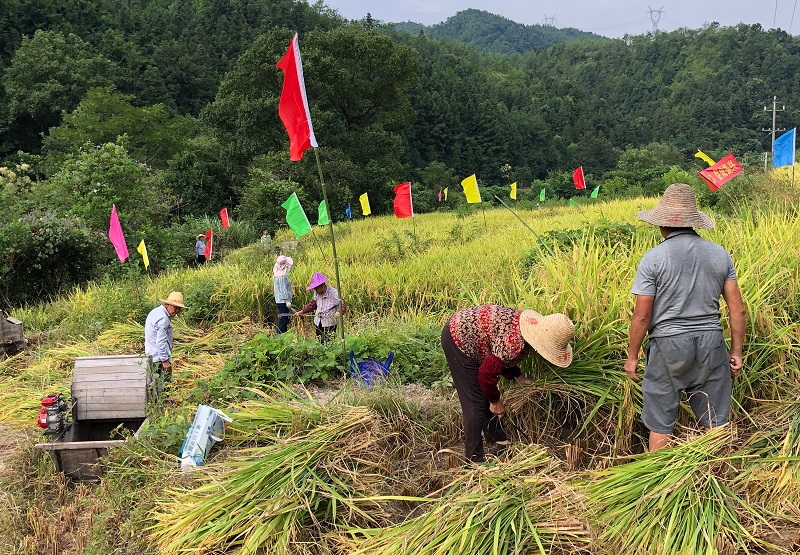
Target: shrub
pixel 43 255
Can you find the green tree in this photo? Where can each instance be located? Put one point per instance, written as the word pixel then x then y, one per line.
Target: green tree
pixel 43 255
pixel 96 177
pixel 149 133
pixel 50 73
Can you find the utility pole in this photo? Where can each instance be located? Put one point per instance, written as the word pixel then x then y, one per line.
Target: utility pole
pixel 653 18
pixel 549 21
pixel 773 129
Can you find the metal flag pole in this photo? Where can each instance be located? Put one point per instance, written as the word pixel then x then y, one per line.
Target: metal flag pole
pixel 550 250
pixel 335 257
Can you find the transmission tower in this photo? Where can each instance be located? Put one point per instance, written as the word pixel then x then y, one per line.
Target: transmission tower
pixel 549 21
pixel 655 16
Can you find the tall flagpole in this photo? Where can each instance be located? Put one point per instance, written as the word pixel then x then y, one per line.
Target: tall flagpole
pixel 333 245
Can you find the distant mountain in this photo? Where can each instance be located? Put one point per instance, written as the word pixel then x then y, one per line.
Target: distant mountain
pixel 494 33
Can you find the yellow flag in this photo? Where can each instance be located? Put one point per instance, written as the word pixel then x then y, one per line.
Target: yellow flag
pixel 445 193
pixel 143 251
pixel 470 185
pixel 514 190
pixel 365 205
pixel 704 157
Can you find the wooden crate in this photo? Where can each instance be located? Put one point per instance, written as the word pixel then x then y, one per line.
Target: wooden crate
pixel 12 339
pixel 108 392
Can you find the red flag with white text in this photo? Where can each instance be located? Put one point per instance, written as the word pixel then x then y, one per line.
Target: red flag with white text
pixel 293 106
pixel 577 177
pixel 402 201
pixel 721 172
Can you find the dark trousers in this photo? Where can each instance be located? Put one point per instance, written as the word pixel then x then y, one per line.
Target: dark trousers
pixel 478 419
pixel 283 317
pixel 201 259
pixel 324 334
pixel 161 378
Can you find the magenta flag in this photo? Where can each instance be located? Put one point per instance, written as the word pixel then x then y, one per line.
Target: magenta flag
pixel 116 237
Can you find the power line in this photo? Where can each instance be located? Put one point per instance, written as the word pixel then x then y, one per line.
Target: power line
pixel 775 17
pixel 791 21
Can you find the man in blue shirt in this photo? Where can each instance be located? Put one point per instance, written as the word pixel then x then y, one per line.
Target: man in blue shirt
pixel 158 334
pixel 677 288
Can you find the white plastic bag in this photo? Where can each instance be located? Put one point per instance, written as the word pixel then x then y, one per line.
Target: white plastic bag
pixel 207 428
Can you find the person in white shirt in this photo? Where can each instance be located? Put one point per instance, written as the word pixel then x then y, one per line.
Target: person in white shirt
pixel 158 334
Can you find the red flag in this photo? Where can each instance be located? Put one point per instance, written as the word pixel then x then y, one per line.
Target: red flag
pixel 223 215
pixel 209 248
pixel 440 194
pixel 402 201
pixel 115 235
pixel 293 106
pixel 577 177
pixel 721 172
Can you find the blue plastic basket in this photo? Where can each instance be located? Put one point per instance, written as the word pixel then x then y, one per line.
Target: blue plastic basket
pixel 369 371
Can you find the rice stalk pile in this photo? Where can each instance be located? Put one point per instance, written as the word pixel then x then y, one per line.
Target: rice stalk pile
pixel 771 475
pixel 675 501
pixel 279 498
pixel 513 507
pixel 279 412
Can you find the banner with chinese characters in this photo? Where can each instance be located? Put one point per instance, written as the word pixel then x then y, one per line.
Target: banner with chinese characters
pixel 721 172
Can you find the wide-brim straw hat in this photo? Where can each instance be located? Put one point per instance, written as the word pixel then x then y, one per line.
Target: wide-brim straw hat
pixel 316 280
pixel 677 208
pixel 175 299
pixel 201 236
pixel 282 266
pixel 548 335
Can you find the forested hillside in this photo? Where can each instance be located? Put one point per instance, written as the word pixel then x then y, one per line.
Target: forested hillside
pixel 494 33
pixel 168 109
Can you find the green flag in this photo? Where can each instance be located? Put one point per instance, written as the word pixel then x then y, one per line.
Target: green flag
pixel 295 216
pixel 596 190
pixel 572 203
pixel 322 217
pixel 541 195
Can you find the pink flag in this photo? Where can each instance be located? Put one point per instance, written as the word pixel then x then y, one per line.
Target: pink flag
pixel 440 194
pixel 293 106
pixel 577 177
pixel 209 248
pixel 223 215
pixel 115 235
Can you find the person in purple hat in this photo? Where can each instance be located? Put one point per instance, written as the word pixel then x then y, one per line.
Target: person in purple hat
pixel 326 304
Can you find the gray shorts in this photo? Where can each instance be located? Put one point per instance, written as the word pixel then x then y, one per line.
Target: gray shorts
pixel 696 363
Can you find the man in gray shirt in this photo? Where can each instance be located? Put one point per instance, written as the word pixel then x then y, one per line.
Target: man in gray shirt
pixel 677 288
pixel 158 334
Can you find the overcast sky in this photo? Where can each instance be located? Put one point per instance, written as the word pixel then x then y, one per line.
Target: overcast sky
pixel 610 18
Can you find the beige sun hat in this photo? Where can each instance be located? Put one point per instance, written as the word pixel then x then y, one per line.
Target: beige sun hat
pixel 175 299
pixel 548 335
pixel 677 208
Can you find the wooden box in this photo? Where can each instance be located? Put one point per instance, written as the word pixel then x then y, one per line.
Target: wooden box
pixel 12 339
pixel 108 393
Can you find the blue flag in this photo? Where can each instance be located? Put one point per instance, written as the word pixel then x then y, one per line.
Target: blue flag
pixel 783 150
pixel 347 211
